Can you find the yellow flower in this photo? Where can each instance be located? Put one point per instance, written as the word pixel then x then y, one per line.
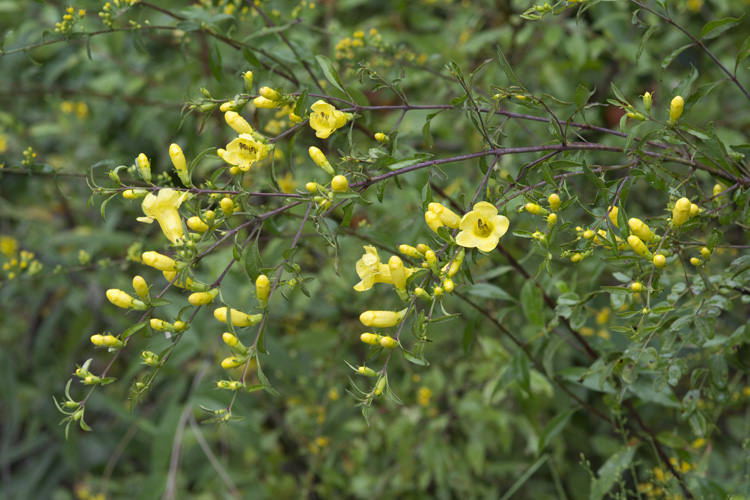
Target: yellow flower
pixel 244 151
pixel 371 270
pixel 482 227
pixel 163 207
pixel 325 119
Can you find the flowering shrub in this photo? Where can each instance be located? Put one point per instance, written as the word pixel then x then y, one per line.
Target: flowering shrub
pixel 520 251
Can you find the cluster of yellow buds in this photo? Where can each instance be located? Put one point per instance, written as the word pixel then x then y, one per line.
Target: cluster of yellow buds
pixel 705 254
pixel 88 378
pixel 240 353
pixel 684 210
pixel 164 326
pixel 379 340
pixel 69 20
pixel 109 341
pixel 438 215
pixel 23 262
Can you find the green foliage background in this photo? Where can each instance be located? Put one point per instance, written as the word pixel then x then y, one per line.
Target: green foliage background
pixel 489 417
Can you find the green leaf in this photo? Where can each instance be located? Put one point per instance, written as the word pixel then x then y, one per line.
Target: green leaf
pixel 668 60
pixel 532 303
pixel 582 96
pixel 488 291
pixel 524 477
pixel 554 427
pixel 330 73
pixel 716 28
pixel 644 39
pixel 521 370
pixel 411 358
pixel 505 66
pixel 610 472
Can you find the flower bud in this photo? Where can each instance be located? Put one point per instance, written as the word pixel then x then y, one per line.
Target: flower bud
pixel 588 234
pixel 445 214
pixel 320 160
pixel 203 298
pixel 647 101
pixel 433 220
pixel 161 326
pixel 551 220
pixel 554 202
pixel 456 264
pixel 638 228
pixel 263 289
pixel 438 291
pixel 409 251
pixel 367 372
pixel 230 339
pixel 694 210
pixel 420 292
pixel 238 123
pixel 370 338
pixel 636 287
pixel 398 273
pixel 660 261
pixel 196 224
pixel 134 194
pixel 680 212
pixel 576 257
pixel 696 261
pixel 180 166
pixel 340 184
pixel 613 211
pixel 262 102
pixel 718 189
pixel 150 359
pixel 269 93
pixel 144 167
pixel 159 261
pixel 238 318
pixel 705 253
pixel 675 109
pixel 382 319
pixel 180 326
pixel 232 362
pixel 294 118
pixel 535 209
pixel 381 137
pixel 248 77
pixel 636 116
pixel 430 257
pixel 227 206
pixel 388 342
pixel 422 248
pixel 448 285
pixel 122 299
pixel 638 246
pixel 140 287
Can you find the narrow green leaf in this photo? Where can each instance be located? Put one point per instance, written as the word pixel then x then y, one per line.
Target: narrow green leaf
pixel 554 427
pixel 524 477
pixel 610 472
pixel 716 28
pixel 330 73
pixel 505 66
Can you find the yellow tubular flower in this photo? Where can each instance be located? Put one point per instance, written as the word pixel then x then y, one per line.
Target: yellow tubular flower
pixel 187 284
pixel 232 362
pixel 140 286
pixel 675 109
pixel 370 270
pixel 381 319
pixel 163 208
pixel 159 261
pixel 269 93
pixel 554 202
pixel 638 246
pixel 244 151
pixel 680 212
pixel 409 251
pixel 263 289
pixel 203 298
pixel 398 273
pixel 230 339
pixel 262 102
pixel 638 228
pixel 430 257
pixel 196 224
pixel 433 220
pixel 180 166
pixel 238 317
pixel 340 184
pixel 320 160
pixel 388 342
pixel 482 227
pixel 613 215
pixel 122 299
pixel 326 119
pixel 370 338
pixel 238 123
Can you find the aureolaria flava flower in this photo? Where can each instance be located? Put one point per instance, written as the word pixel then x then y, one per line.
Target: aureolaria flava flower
pixel 244 151
pixel 482 227
pixel 325 119
pixel 371 270
pixel 163 208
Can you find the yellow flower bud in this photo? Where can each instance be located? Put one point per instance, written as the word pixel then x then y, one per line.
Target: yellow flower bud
pixel 381 137
pixel 248 77
pixel 718 188
pixel 576 257
pixel 438 291
pixel 134 194
pixel 554 201
pixel 647 101
pixel 535 209
pixel 97 340
pixel 294 119
pixel 448 285
pixel 636 287
pixel 551 220
pixel 420 292
pixel 433 220
pixel 196 224
pixel 180 165
pixel 705 252
pixel 638 246
pixel 159 261
pixel 320 160
pixel 381 319
pixel 180 325
pixel 446 215
pixel 681 212
pixel 203 298
pixel 367 372
pixel 636 116
pixel 188 284
pixel 370 338
pixel 227 206
pixel 613 211
pixel 140 286
pixel 161 326
pixel 144 167
pixel 227 106
pixel 269 93
pixel 398 273
pixel 588 234
pixel 262 102
pixel 696 261
pixel 660 261
pixel 638 228
pixel 238 318
pixel 122 299
pixel 422 248
pixel 675 109
pixel 230 339
pixel 238 123
pixel 430 257
pixel 340 184
pixel 232 362
pixel 456 264
pixel 694 210
pixel 388 342
pixel 409 251
pixel 263 289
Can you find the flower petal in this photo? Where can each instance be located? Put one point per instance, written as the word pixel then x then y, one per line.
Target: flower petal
pixel 501 224
pixel 469 221
pixel 468 239
pixel 488 244
pixel 485 210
